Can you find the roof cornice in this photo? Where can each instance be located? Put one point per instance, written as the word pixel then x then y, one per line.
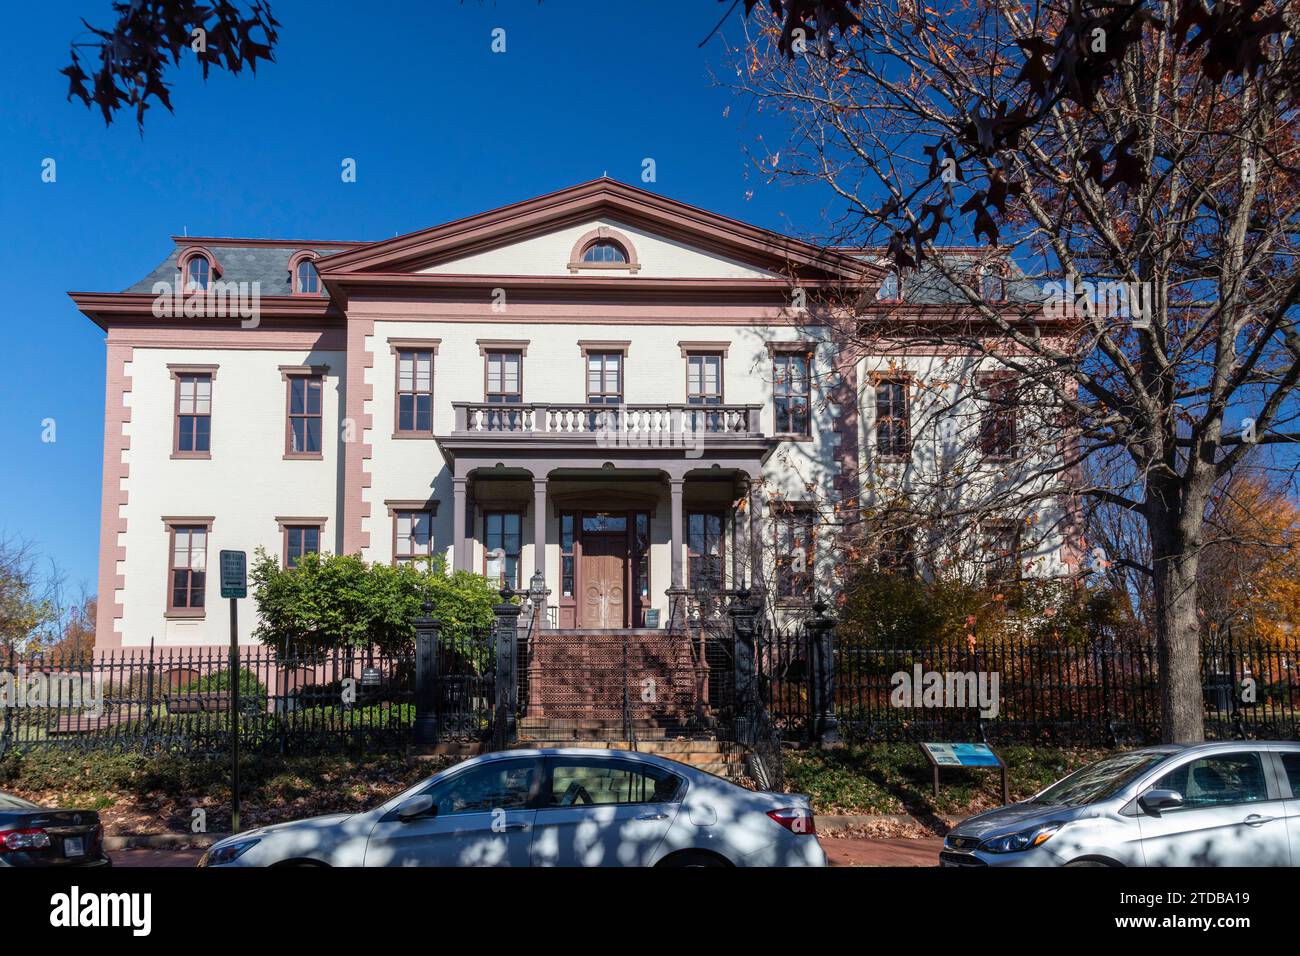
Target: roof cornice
pixel 101 307
pixel 275 243
pixel 598 197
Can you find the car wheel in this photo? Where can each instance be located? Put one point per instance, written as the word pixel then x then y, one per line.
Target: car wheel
pixel 693 859
pixel 1086 863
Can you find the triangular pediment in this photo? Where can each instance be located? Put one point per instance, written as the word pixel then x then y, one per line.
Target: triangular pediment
pixel 540 237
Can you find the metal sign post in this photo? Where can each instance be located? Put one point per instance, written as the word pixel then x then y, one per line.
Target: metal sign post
pixel 234 585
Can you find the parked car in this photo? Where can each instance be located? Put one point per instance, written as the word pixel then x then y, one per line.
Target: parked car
pixel 1216 804
pixel 34 836
pixel 563 807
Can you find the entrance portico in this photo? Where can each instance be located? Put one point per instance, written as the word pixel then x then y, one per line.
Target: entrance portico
pixel 614 496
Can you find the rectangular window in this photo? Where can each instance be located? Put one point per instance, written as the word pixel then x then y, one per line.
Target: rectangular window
pixel 790 392
pixel 304 415
pixel 1000 542
pixel 998 422
pixel 300 539
pixel 795 553
pixel 193 413
pixel 704 379
pixel 414 535
pixel 503 540
pixel 505 378
pixel 567 562
pixel 704 387
pixel 604 378
pixel 893 427
pixel 704 550
pixel 187 576
pixel 415 392
pixel 897 554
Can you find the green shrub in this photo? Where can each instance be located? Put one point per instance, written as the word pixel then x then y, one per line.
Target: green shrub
pixel 334 601
pixel 250 688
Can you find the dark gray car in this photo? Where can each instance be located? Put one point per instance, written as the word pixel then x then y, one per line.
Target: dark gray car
pixel 34 836
pixel 1219 804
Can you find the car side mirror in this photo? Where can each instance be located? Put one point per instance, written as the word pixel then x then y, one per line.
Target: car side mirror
pixel 1153 801
pixel 421 806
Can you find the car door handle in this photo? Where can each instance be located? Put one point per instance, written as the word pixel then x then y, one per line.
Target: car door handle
pixel 652 816
pixel 1255 820
pixel 515 826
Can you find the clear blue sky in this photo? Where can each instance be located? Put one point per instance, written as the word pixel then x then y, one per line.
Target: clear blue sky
pixel 439 125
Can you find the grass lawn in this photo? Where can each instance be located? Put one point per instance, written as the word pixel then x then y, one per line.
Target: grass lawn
pixel 896 778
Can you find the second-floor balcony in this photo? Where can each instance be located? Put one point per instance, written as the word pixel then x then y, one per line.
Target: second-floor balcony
pixel 629 426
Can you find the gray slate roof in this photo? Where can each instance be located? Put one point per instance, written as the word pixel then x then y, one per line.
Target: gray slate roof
pixel 268 265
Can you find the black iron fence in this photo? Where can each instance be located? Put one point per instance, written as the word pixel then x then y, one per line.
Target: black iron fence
pixel 727 676
pixel 158 700
pixel 1103 691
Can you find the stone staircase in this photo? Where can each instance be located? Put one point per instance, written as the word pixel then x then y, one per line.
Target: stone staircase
pixel 723 758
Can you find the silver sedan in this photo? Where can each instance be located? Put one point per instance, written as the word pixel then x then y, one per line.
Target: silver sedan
pixel 1218 804
pixel 563 807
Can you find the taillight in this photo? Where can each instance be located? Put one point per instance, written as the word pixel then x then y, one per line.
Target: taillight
pixel 14 841
pixel 794 819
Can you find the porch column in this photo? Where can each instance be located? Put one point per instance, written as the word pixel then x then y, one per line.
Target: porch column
pixel 459 549
pixel 677 488
pixel 676 541
pixel 756 534
pixel 537 587
pixel 539 526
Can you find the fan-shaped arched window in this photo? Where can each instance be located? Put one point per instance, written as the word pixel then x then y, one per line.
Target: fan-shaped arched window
pixel 308 280
pixel 605 252
pixel 198 273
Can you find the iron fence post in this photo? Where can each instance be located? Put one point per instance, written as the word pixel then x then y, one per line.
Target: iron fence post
pixel 743 631
pixel 425 732
pixel 825 727
pixel 148 699
pixel 6 735
pixel 506 679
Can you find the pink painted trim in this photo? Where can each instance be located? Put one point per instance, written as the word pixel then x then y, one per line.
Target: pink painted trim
pixel 633 264
pixel 113 496
pixel 356 510
pixel 189 252
pixel 295 260
pixel 600 197
pixel 306 340
pixel 237 241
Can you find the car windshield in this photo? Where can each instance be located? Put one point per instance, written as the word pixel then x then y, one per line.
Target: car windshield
pixel 1099 780
pixel 9 802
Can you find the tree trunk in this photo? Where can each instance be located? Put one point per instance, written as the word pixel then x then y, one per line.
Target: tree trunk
pixel 1178 633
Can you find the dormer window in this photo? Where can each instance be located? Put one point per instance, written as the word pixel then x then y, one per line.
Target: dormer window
pixel 303 277
pixel 605 252
pixel 891 286
pixel 198 273
pixel 308 280
pixel 993 283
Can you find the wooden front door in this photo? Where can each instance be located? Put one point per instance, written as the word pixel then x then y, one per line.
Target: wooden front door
pixel 604 574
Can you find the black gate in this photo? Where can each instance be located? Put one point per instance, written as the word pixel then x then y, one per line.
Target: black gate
pixel 455 682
